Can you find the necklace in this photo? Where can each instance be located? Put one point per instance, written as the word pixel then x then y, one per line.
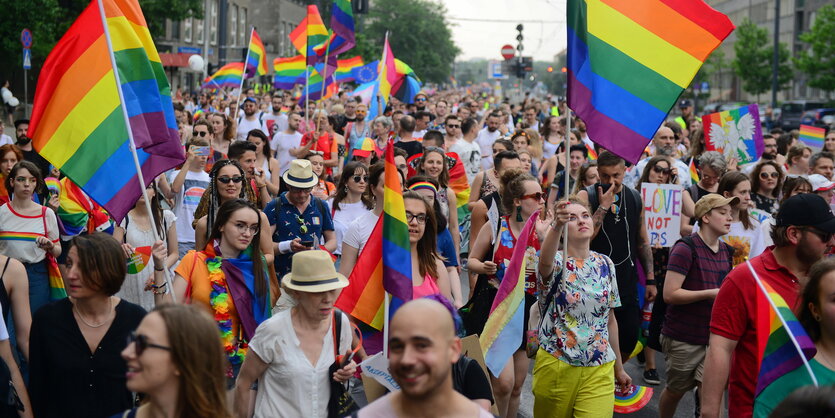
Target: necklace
pixel 81 317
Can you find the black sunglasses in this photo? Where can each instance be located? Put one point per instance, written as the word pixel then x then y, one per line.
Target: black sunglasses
pixel 661 170
pixel 773 175
pixel 142 343
pixel 226 180
pixel 358 178
pixel 453 126
pixel 200 133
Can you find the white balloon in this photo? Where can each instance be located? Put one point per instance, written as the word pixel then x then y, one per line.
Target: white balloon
pixel 195 62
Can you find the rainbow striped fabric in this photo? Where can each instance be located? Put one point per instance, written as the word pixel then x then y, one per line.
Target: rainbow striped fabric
pixel 694 174
pixel 363 299
pixel 19 236
pixel 288 72
pixel 256 56
pixel 78 213
pixel 345 69
pixel 505 325
pixel 397 257
pixel 735 133
pixel 314 87
pixel 229 75
pixel 812 136
pixel 310 35
pixel 78 123
pixel 628 61
pixel 342 24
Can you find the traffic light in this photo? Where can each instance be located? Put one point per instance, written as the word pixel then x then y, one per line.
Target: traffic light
pixel 564 70
pixel 519 38
pixel 550 69
pixel 360 6
pixel 520 69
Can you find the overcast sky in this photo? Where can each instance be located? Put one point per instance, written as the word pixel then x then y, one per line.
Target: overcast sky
pixel 490 24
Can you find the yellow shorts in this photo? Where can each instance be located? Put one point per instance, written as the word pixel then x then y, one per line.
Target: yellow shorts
pixel 562 390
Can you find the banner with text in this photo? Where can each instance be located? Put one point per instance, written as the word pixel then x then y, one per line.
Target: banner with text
pixel 662 212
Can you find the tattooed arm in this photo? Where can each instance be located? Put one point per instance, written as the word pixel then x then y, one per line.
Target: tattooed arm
pixel 645 257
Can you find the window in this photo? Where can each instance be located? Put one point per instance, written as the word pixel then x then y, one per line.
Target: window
pixel 281 33
pixel 198 29
pixel 187 25
pixel 233 26
pixel 243 33
pixel 213 23
pixel 175 31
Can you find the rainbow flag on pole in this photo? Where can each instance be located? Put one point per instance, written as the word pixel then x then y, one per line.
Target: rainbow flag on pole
pixel 342 24
pixel 505 325
pixel 310 34
pixel 288 72
pixel 86 115
pixel 256 56
pixel 345 69
pixel 694 173
pixel 229 75
pixel 363 299
pixel 628 62
pixel 812 136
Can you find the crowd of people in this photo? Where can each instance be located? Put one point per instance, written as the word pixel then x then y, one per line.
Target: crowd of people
pixel 252 239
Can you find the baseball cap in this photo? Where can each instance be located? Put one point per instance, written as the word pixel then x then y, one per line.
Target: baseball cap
pixel 712 201
pixel 806 209
pixel 250 99
pixel 685 103
pixel 820 183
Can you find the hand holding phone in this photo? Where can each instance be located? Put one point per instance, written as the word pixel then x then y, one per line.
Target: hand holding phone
pixel 307 243
pixel 200 151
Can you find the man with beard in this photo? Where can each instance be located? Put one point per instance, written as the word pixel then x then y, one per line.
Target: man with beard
pixel 350 116
pixel 664 143
pixel 420 102
pixel 277 120
pixel 486 137
pixel 769 153
pixel 422 349
pixel 422 121
pixel 25 145
pixel 802 235
pixel 250 120
pixel 441 113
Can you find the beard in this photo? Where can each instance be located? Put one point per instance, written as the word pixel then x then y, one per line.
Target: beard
pixel 23 140
pixel 665 151
pixel 769 156
pixel 805 252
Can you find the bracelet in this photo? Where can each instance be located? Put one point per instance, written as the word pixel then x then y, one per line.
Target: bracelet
pixel 650 282
pixel 604 209
pixel 159 269
pixel 159 289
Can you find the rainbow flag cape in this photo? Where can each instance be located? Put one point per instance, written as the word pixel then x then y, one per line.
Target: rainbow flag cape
pixel 78 213
pixel 735 133
pixel 505 325
pixel 812 136
pixel 79 119
pixel 229 75
pixel 363 299
pixel 345 69
pixel 256 56
pixel 628 62
pixel 288 72
pixel 694 174
pixel 397 257
pixel 310 35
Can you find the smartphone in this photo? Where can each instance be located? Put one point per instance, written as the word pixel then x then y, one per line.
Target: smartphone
pixel 347 359
pixel 307 243
pixel 200 151
pixel 604 186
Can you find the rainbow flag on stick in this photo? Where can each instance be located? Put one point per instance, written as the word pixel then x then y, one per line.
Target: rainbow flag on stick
pixel 87 117
pixel 812 136
pixel 628 62
pixel 364 297
pixel 505 325
pixel 288 72
pixel 256 56
pixel 310 35
pixel 345 69
pixel 230 75
pixel 342 24
pixel 694 174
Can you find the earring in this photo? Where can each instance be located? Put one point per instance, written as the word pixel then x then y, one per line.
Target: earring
pixel 817 318
pixel 519 213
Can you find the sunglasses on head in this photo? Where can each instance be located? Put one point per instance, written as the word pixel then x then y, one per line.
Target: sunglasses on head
pixel 662 170
pixel 200 133
pixel 773 174
pixel 142 343
pixel 226 180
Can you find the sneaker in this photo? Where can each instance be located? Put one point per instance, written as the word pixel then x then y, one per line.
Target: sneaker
pixel 651 377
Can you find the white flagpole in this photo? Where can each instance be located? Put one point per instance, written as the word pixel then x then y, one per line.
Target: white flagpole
pixel 243 76
pixel 387 299
pixel 140 177
pixel 567 148
pixel 783 321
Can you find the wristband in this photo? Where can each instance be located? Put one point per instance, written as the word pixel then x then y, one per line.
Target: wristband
pixel 284 246
pixel 158 269
pixel 604 209
pixel 650 282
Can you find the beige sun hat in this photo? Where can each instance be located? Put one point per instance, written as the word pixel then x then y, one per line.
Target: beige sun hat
pixel 313 271
pixel 300 175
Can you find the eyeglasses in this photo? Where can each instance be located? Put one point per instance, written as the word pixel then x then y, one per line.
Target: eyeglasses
pixel 773 175
pixel 662 170
pixel 358 178
pixel 824 236
pixel 142 343
pixel 453 126
pixel 535 196
pixel 26 180
pixel 301 190
pixel 226 180
pixel 200 133
pixel 302 225
pixel 402 167
pixel 421 218
pixel 244 228
pixel 420 99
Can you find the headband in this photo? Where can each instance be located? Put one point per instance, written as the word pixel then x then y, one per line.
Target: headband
pixel 424 185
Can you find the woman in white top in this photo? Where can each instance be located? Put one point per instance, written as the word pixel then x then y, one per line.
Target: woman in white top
pixel 360 229
pixel 135 233
pixel 351 201
pixel 28 230
pixel 264 159
pixel 292 353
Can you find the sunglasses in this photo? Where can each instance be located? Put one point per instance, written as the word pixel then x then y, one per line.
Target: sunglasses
pixel 420 100
pixel 358 178
pixel 200 133
pixel 142 343
pixel 535 196
pixel 661 170
pixel 773 175
pixel 226 180
pixel 453 126
pixel 824 236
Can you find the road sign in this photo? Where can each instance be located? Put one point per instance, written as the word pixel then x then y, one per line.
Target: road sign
pixel 508 52
pixel 494 70
pixel 26 38
pixel 27 59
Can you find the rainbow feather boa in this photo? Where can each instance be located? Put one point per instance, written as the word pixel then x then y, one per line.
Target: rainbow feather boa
pixel 219 299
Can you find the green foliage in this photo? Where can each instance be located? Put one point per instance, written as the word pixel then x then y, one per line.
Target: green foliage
pixel 754 57
pixel 818 61
pixel 418 33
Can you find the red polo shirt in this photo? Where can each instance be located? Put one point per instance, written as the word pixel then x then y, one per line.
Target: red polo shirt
pixel 738 315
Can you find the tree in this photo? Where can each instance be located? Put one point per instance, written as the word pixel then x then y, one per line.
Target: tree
pixel 419 35
pixel 818 61
pixel 754 57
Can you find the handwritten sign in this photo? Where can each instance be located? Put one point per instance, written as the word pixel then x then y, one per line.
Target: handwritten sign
pixel 662 212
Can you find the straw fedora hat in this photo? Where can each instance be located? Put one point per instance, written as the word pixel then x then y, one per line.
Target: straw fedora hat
pixel 300 175
pixel 313 271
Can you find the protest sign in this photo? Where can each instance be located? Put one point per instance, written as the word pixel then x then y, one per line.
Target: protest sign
pixel 735 133
pixel 662 212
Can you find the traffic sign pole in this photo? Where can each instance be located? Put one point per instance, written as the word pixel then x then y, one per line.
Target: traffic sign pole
pixel 26 40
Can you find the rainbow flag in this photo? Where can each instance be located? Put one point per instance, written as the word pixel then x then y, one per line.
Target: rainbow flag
pixel 342 24
pixel 345 69
pixel 781 348
pixel 288 72
pixel 628 62
pixel 505 325
pixel 459 184
pixel 735 133
pixel 310 35
pixel 812 136
pixel 363 299
pixel 590 148
pixel 79 119
pixel 314 87
pixel 694 174
pixel 397 257
pixel 78 213
pixel 229 75
pixel 256 56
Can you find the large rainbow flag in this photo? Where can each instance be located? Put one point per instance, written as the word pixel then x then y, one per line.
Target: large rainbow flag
pixel 79 119
pixel 628 62
pixel 812 136
pixel 288 72
pixel 230 75
pixel 256 56
pixel 342 24
pixel 345 68
pixel 309 36
pixel 363 298
pixel 505 325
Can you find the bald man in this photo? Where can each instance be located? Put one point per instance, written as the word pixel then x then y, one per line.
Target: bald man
pixel 422 349
pixel 663 143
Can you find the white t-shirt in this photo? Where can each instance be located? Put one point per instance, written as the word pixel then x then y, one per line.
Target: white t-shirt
pixel 359 230
pixel 291 386
pixel 344 217
pixel 280 120
pixel 186 202
pixel 485 140
pixel 5 139
pixel 18 234
pixel 470 155
pixel 282 143
pixel 245 125
pixel 745 242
